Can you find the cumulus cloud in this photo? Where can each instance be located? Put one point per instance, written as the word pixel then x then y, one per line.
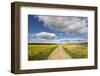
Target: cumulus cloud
pixel 68 24
pixel 45 36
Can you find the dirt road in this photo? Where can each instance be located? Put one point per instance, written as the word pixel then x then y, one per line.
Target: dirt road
pixel 59 53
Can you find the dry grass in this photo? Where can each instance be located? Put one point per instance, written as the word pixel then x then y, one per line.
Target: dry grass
pixel 40 52
pixel 77 50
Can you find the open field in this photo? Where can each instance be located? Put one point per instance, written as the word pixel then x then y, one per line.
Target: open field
pixel 40 52
pixel 77 51
pixel 54 51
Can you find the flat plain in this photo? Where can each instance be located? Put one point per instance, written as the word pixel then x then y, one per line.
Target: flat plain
pixel 57 51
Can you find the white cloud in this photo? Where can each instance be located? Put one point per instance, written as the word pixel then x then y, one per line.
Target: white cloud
pixel 45 36
pixel 68 24
pixel 38 41
pixel 70 41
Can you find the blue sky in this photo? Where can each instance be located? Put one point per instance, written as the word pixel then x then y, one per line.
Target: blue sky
pixel 47 29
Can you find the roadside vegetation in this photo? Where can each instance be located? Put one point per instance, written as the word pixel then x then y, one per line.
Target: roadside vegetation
pixel 76 50
pixel 40 52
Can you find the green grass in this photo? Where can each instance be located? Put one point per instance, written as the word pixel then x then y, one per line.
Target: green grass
pixel 40 52
pixel 76 50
